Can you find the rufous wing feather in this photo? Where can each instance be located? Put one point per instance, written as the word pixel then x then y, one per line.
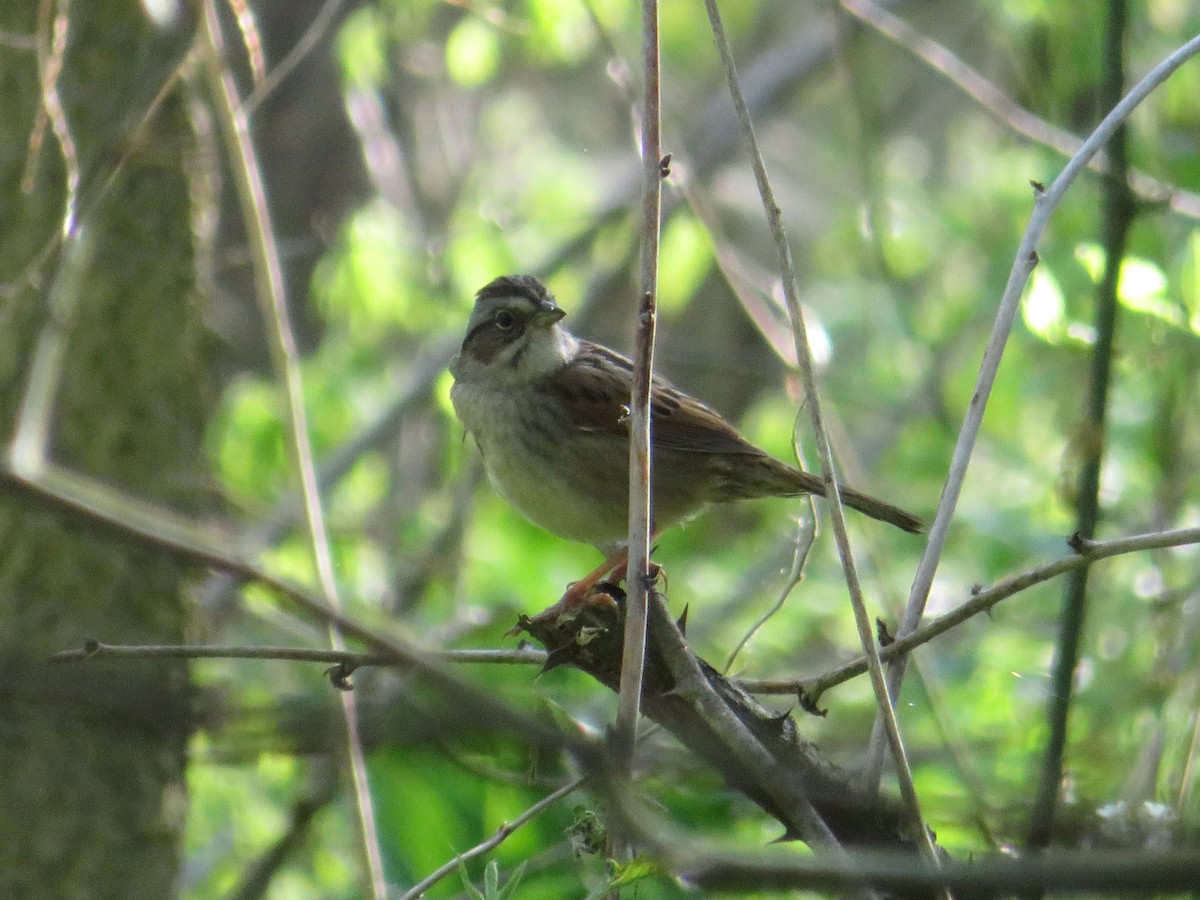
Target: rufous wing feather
pixel 595 389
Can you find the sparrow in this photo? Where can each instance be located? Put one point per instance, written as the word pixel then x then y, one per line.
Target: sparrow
pixel 549 413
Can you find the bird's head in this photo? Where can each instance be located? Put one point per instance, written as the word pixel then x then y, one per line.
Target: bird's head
pixel 513 333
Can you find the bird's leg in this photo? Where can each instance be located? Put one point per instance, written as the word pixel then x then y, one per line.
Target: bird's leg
pixel 613 569
pixel 619 572
pixel 583 592
pixel 580 593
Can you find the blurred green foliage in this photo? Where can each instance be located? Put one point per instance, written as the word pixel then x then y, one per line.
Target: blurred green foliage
pixel 905 203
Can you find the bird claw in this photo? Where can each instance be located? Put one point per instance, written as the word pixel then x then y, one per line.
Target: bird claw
pixel 600 587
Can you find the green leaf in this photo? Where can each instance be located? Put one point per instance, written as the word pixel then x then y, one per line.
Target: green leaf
pixel 687 256
pixel 491 879
pixel 472 52
pixel 1043 310
pixel 362 48
pixel 468 886
pixel 637 869
pixel 514 880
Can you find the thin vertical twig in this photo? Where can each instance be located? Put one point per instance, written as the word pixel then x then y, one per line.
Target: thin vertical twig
pixel 1117 211
pixel 270 292
pixel 274 77
pixel 633 658
pixel 801 546
pixel 862 618
pixel 247 25
pixel 51 54
pixel 29 452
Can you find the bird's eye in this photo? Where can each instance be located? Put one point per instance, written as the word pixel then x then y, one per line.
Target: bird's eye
pixel 504 320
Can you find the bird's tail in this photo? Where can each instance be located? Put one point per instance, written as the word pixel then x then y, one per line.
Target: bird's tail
pixel 807 483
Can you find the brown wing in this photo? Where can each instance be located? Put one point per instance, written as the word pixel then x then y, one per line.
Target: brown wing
pixel 594 390
pixel 596 386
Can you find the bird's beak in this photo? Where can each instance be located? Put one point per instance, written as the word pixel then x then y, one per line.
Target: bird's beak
pixel 547 314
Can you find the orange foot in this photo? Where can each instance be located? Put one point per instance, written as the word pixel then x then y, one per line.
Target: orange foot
pixel 613 570
pixel 588 589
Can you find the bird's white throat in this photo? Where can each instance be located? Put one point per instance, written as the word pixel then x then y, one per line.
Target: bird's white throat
pixel 538 352
pixel 545 351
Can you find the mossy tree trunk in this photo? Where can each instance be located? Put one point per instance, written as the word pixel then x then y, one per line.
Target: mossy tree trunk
pixel 92 756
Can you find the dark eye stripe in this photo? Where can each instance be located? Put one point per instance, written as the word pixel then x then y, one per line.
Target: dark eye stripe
pixel 486 340
pixel 474 331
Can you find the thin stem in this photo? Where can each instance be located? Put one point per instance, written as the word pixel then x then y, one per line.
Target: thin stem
pixel 271 79
pixel 217 590
pixel 247 175
pixel 150 526
pixel 633 657
pixel 51 54
pixel 805 536
pixel 256 880
pixel 989 97
pixel 801 818
pixel 981 601
pixel 1045 202
pixel 1098 873
pixel 862 618
pixel 98 650
pixel 252 42
pixel 1117 212
pixel 28 452
pixel 491 843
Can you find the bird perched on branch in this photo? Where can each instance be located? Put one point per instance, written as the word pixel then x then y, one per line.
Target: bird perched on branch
pixel 549 413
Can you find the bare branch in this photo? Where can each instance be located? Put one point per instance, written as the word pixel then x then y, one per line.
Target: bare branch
pixel 251 39
pixel 1117 216
pixel 491 843
pixel 1110 871
pixel 247 176
pixel 256 881
pixel 1045 202
pixel 811 689
pixel 51 53
pixel 972 83
pixel 862 618
pixel 629 697
pixel 98 650
pixel 271 79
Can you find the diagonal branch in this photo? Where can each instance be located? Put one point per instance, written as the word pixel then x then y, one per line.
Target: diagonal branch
pixel 491 843
pixel 993 100
pixel 984 600
pixel 1046 200
pixel 270 291
pixel 758 752
pixel 862 618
